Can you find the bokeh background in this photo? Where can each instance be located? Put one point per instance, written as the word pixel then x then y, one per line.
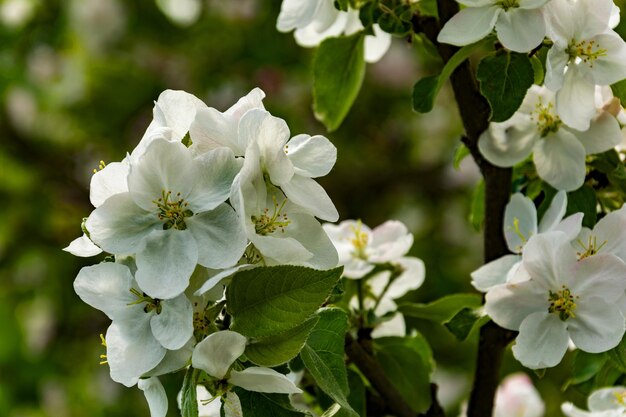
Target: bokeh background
pixel 77 83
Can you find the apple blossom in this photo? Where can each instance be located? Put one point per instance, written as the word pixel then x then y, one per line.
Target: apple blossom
pixel 605 402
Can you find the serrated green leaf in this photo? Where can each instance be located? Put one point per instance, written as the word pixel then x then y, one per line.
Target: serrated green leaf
pixel 408 363
pixel 443 309
pixel 584 201
pixel 267 301
pixel 275 350
pixel 463 322
pixel 258 404
pixel 504 80
pixel 189 399
pixel 425 90
pixel 323 356
pixel 338 72
pixel 619 91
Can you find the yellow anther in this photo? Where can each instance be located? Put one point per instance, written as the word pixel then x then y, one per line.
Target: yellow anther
pixel 103 357
pixel 103 341
pixel 172 211
pixel 591 248
pixel 586 51
pixel 359 241
pixel 151 303
pixel 620 398
pixel 562 303
pixel 266 224
pixel 546 119
pixel 101 166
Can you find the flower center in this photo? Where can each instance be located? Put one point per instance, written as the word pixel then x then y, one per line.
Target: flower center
pixel 591 248
pixel 562 303
pixel 620 398
pixel 172 212
pixel 508 4
pixel 266 224
pixel 359 241
pixel 546 119
pixel 152 304
pixel 585 51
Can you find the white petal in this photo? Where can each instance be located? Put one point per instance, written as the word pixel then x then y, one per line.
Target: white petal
pixel 106 286
pixel 132 350
pixel 109 181
pixel 252 100
pixel 606 399
pixel 217 352
pixel 601 276
pixel 83 247
pixel 560 160
pixel 553 216
pixel 604 133
pixel 521 30
pixel 390 241
pixel 295 14
pixel 410 279
pixel 165 166
pixel 221 239
pixel 476 3
pixel 469 25
pixel 232 405
pixel 531 4
pixel 119 225
pixel 311 156
pixel 308 194
pixel 598 325
pixel 212 129
pixel 155 395
pixel 610 233
pixel 174 325
pixel 314 34
pixel 166 262
pixel 520 222
pixel 177 109
pixel 174 360
pixel 263 380
pixel 542 341
pixel 549 259
pixel 376 46
pixel 571 225
pixel 394 327
pixel 570 410
pixel 611 67
pixel 508 305
pixel 494 273
pixel 555 67
pixel 220 278
pixel 507 143
pixel 214 172
pixel 575 101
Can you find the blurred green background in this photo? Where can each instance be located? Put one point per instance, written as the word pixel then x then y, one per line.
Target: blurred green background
pixel 77 83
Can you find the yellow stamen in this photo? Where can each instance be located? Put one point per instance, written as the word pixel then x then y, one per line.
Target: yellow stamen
pixel 562 303
pixel 591 248
pixel 266 224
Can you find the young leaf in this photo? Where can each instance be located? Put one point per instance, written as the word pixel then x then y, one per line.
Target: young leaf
pixel 425 90
pixel 443 309
pixel 189 399
pixel 408 363
pixel 258 404
pixel 323 356
pixel 466 320
pixel 338 71
pixel 267 301
pixel 275 350
pixel 504 79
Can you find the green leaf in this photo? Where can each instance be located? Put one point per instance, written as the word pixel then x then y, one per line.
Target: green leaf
pixel 356 398
pixel 408 363
pixel 428 8
pixel 619 91
pixel 189 399
pixel 477 210
pixel 538 70
pixel 338 72
pixel 460 154
pixel 342 5
pixel 586 366
pixel 443 309
pixel 275 350
pixel 425 90
pixel 323 356
pixel 266 301
pixel 463 322
pixel 583 201
pixel 258 404
pixel 504 80
pixel 617 356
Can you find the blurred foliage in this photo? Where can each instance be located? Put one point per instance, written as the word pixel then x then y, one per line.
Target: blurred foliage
pixel 77 83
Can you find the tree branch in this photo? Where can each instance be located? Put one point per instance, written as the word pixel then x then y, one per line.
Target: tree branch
pixel 475 112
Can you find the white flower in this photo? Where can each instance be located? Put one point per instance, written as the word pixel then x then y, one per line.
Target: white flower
pixel 564 298
pixel 143 327
pixel 155 395
pixel 281 231
pixel 173 217
pixel 517 397
pixel 558 150
pixel 360 248
pixel 315 21
pixel 605 402
pixel 217 353
pixel 586 53
pixel 607 236
pixel 520 223
pixel 519 23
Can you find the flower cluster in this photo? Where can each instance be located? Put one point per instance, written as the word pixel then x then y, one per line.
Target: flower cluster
pixel 574 115
pixel 567 284
pixel 204 194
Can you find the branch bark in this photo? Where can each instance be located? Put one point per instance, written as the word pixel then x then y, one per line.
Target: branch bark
pixel 475 112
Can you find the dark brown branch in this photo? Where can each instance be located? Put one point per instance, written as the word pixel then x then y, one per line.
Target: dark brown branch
pixel 475 111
